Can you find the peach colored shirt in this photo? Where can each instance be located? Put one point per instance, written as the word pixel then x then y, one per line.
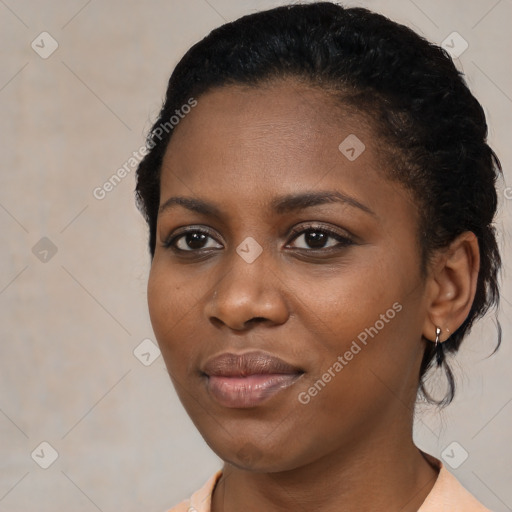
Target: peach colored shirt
pixel 447 495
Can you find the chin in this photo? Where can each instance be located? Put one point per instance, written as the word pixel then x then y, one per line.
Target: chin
pixel 256 456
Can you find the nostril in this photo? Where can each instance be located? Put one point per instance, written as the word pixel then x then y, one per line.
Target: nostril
pixel 256 320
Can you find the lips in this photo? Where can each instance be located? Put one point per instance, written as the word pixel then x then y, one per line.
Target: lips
pixel 247 380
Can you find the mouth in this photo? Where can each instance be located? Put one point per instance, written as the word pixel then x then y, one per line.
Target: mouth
pixel 249 379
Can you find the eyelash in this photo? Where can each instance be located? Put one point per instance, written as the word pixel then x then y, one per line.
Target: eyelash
pixel 343 240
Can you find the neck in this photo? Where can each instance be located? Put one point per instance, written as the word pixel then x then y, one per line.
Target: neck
pixel 383 471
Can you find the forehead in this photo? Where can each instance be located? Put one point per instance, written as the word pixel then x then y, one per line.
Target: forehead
pixel 245 145
pixel 283 128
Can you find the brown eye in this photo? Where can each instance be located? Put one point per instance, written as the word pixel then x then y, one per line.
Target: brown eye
pixel 320 238
pixel 191 241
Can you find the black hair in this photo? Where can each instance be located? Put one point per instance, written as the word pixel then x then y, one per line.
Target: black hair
pixel 434 129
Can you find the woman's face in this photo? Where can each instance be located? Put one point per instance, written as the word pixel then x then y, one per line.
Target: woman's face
pixel 305 252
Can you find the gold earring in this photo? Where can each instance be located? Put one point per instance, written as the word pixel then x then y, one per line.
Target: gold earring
pixel 438 334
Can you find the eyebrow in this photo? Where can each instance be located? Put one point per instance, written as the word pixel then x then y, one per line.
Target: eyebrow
pixel 280 205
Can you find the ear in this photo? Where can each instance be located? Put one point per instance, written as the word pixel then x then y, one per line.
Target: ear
pixel 452 286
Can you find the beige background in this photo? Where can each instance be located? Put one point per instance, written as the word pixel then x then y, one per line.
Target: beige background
pixel 69 326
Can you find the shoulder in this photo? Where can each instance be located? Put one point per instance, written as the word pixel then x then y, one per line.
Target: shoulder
pixel 180 507
pixel 448 495
pixel 200 501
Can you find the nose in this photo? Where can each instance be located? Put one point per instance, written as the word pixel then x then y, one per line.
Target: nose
pixel 248 293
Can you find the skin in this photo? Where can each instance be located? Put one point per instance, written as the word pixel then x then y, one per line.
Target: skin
pixel 352 443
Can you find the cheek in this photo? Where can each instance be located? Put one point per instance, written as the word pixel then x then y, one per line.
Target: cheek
pixel 158 300
pixel 168 304
pixel 348 300
pixel 175 301
pixel 367 313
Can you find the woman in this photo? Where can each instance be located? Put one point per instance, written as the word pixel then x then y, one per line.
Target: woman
pixel 320 198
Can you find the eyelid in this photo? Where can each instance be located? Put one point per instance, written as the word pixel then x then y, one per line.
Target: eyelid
pixel 179 232
pixel 296 231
